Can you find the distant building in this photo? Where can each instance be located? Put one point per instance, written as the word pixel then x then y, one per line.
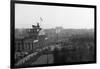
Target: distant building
pixel 58 29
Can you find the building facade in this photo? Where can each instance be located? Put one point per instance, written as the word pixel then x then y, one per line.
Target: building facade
pixel 31 41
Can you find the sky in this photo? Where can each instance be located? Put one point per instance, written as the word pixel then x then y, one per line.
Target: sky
pixel 53 16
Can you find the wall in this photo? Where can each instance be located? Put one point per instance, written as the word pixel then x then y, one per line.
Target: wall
pixel 5 34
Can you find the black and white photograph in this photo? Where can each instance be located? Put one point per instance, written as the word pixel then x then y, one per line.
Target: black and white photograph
pixel 53 35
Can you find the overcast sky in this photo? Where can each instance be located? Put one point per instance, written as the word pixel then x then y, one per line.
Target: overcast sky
pixel 53 16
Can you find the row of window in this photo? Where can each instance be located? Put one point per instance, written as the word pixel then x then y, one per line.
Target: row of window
pixel 25 46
